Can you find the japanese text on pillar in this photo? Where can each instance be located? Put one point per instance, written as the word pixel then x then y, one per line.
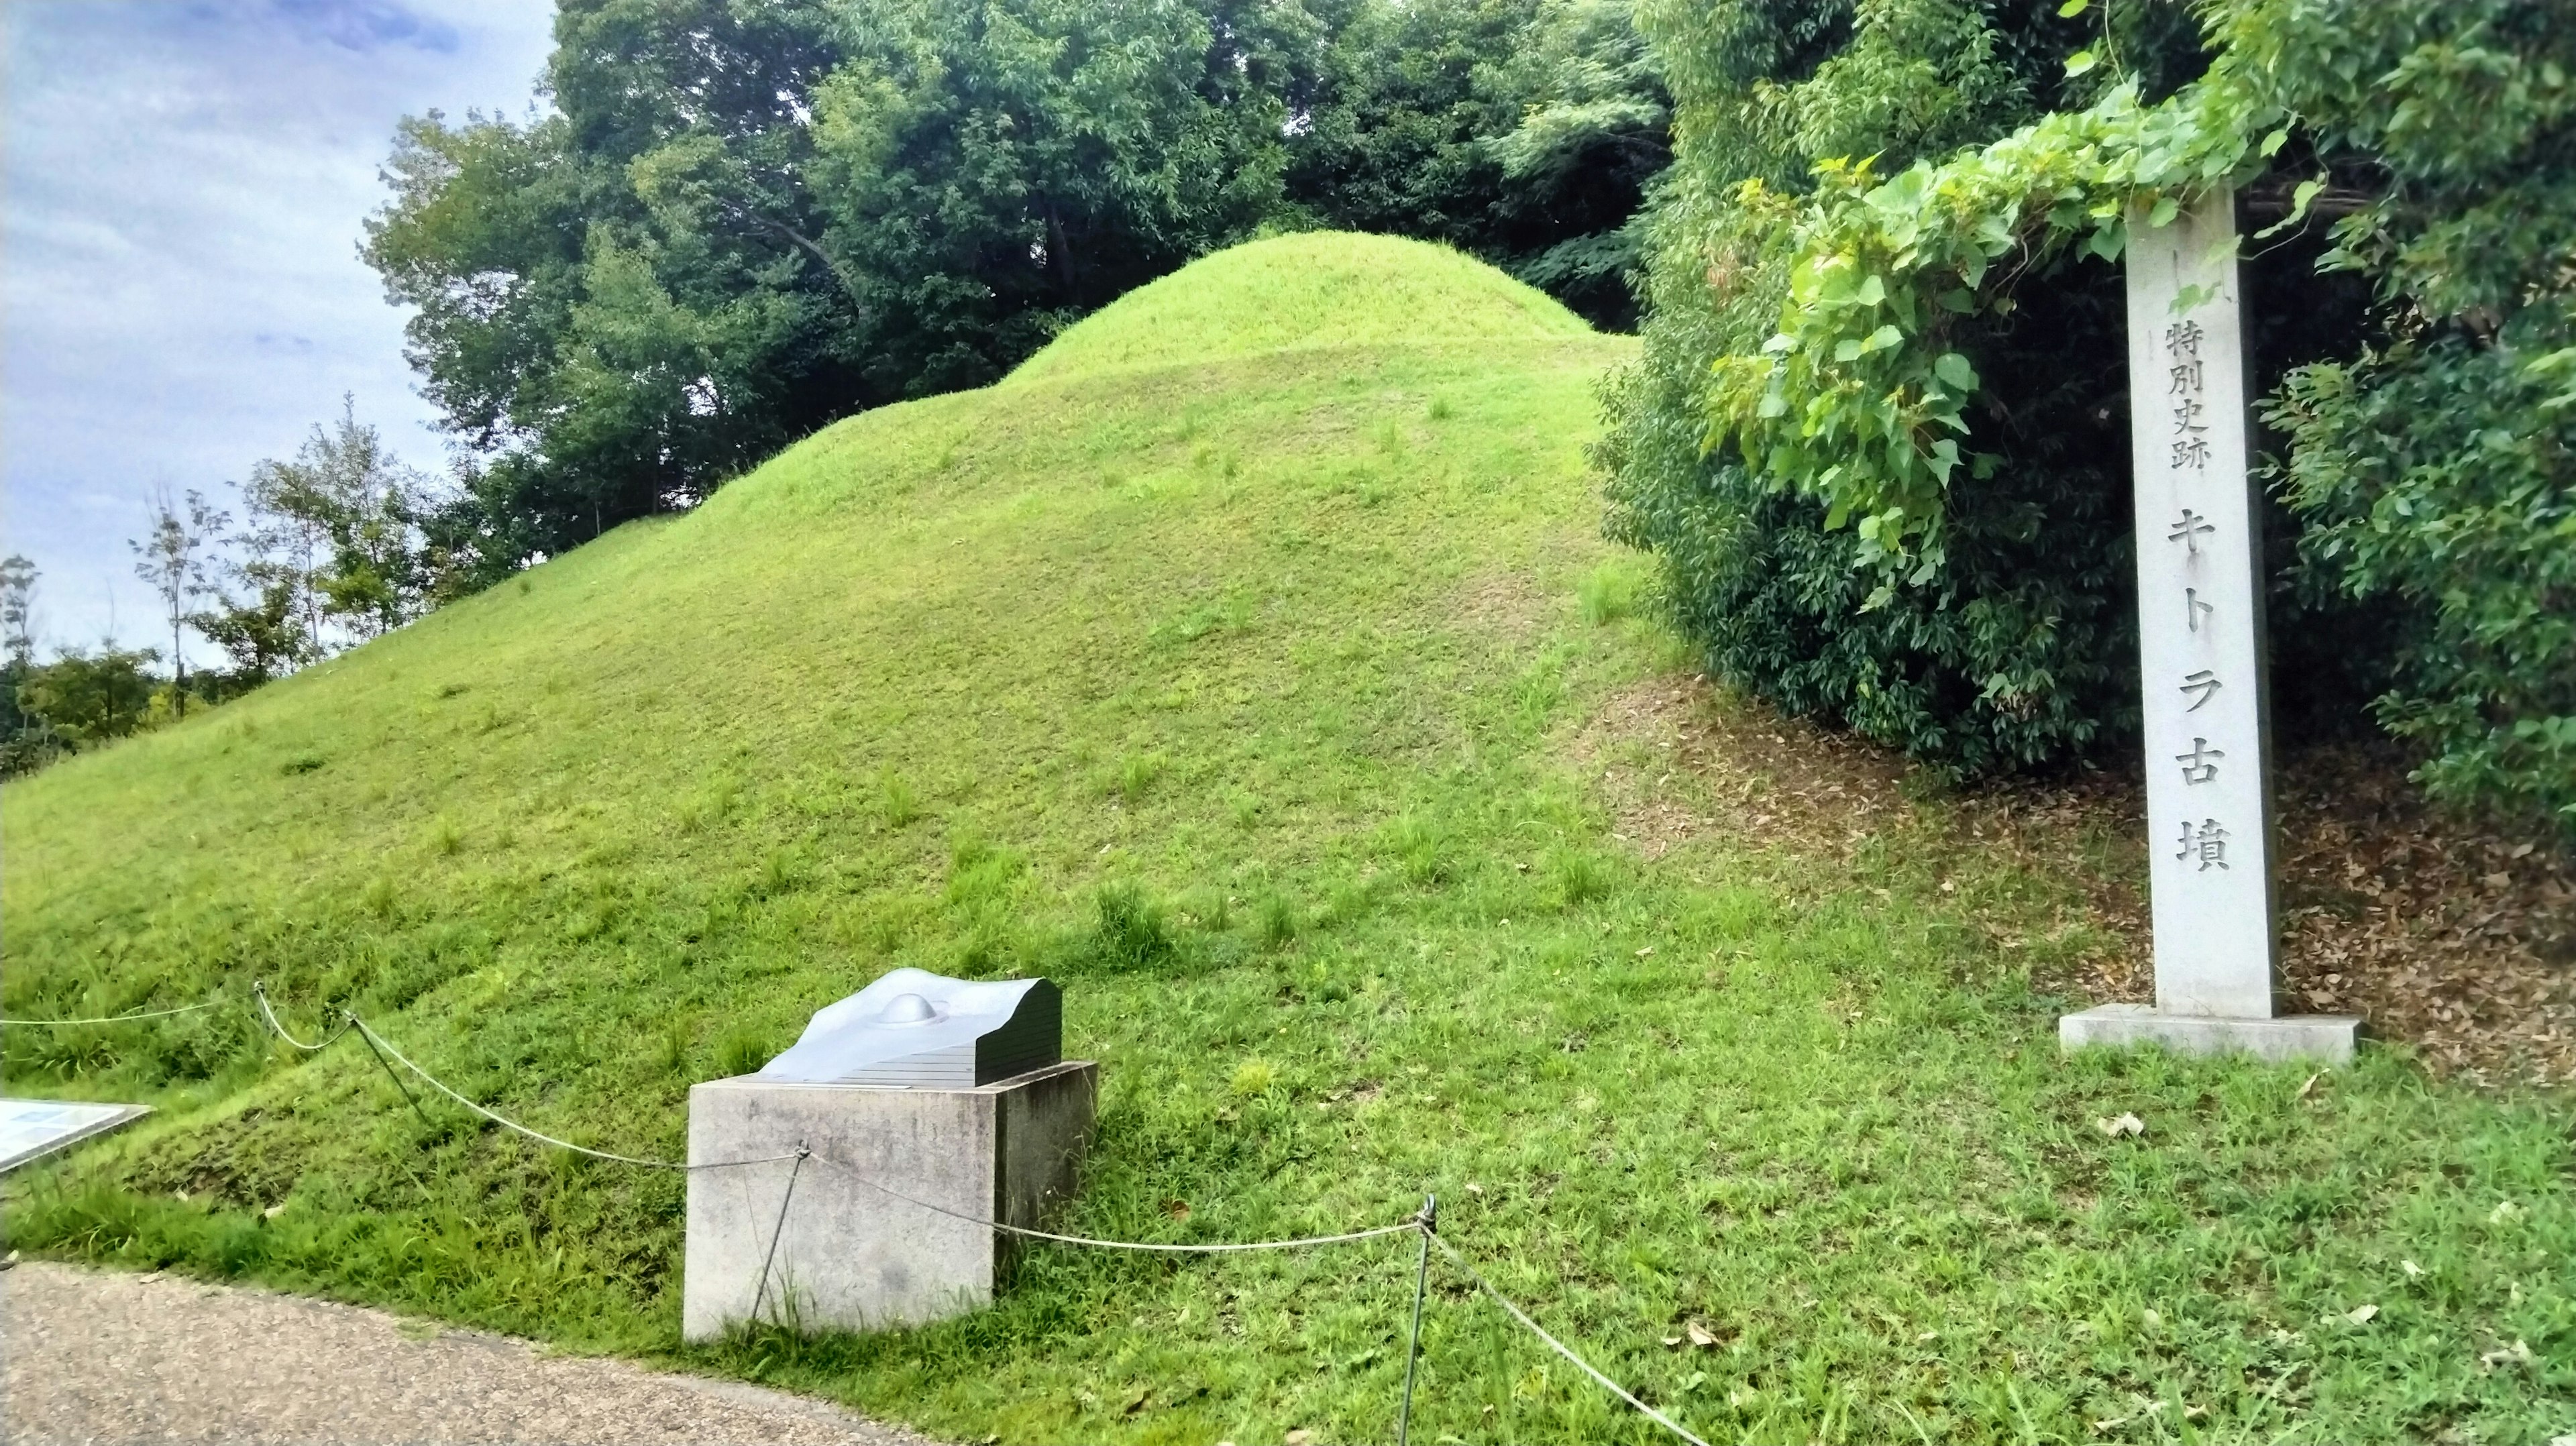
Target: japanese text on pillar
pixel 2205 841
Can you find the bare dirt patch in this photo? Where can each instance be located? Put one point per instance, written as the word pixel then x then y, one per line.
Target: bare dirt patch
pixel 1509 605
pixel 2455 938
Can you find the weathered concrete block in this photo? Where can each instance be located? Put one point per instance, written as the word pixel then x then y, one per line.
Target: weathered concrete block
pixel 2324 1037
pixel 850 1256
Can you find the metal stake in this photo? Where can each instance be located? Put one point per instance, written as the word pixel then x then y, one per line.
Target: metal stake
pixel 1430 1220
pixel 397 1079
pixel 762 1291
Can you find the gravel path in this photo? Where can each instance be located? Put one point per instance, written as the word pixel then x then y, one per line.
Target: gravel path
pixel 98 1356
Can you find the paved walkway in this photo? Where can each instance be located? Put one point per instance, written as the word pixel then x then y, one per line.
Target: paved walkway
pixel 99 1356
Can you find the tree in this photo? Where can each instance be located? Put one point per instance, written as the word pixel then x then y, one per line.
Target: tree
pixel 81 699
pixel 1523 131
pixel 265 635
pixel 997 170
pixel 18 610
pixel 739 222
pixel 624 302
pixel 171 557
pixel 335 536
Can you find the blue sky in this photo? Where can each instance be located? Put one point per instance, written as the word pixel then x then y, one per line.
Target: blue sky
pixel 181 191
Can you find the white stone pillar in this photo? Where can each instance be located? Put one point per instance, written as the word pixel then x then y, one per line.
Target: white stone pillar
pixel 2200 646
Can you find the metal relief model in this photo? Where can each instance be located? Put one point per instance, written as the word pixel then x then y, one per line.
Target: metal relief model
pixel 916 1029
pixel 908 1122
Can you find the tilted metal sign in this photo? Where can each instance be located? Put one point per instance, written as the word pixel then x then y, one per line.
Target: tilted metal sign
pixel 919 1030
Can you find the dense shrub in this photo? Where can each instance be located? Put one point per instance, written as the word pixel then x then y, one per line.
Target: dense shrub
pixel 2438 471
pixel 2020 651
pixel 1948 379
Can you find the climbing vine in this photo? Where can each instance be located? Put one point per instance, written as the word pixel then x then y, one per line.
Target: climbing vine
pixel 1859 400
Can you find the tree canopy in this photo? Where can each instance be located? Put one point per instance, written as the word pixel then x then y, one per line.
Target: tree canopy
pixel 737 221
pixel 1855 365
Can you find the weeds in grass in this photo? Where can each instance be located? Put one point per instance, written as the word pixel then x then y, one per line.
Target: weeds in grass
pixel 1579 876
pixel 1609 592
pixel 1137 773
pixel 1419 848
pixel 1274 922
pixel 1131 934
pixel 897 805
pixel 741 1051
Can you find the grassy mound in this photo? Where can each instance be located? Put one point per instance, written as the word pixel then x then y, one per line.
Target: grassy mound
pixel 1259 700
pixel 1312 290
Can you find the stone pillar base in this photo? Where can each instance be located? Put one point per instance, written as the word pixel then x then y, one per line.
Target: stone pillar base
pixel 850 1257
pixel 2327 1038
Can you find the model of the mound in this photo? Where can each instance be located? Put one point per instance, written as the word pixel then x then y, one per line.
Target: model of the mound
pixel 1316 289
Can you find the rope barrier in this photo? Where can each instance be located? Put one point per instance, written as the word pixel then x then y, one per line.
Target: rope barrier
pixel 380 1042
pixel 116 1018
pixel 1558 1346
pixel 1422 1223
pixel 259 993
pixel 1410 1223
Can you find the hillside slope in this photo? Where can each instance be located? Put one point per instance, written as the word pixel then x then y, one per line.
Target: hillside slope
pixel 1232 663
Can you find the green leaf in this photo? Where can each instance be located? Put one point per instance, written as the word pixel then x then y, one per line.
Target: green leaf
pixel 2163 212
pixel 2273 142
pixel 1847 349
pixel 1872 291
pixel 1883 338
pixel 2073 8
pixel 1954 370
pixel 2080 62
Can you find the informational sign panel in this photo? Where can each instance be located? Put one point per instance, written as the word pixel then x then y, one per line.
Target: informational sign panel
pixel 33 1129
pixel 2200 620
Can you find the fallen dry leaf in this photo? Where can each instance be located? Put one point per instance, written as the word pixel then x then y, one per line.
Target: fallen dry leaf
pixel 2123 1125
pixel 1299 1437
pixel 2310 1086
pixel 1700 1335
pixel 2386 912
pixel 1671 1341
pixel 2361 1314
pixel 2517 1354
pixel 2411 1268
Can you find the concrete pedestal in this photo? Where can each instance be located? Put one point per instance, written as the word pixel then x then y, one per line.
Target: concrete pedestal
pixel 850 1256
pixel 2327 1038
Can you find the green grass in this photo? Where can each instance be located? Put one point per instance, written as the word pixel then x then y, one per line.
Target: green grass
pixel 1239 693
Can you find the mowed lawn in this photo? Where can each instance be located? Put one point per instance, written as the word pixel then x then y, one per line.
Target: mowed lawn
pixel 1233 664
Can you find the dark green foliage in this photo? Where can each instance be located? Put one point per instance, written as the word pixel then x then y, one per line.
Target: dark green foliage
pixel 2021 652
pixel 995 171
pixel 741 222
pixel 1523 133
pixel 625 302
pixel 2421 545
pixel 2437 472
pixel 82 699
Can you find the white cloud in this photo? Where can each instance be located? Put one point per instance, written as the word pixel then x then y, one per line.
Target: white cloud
pixel 181 192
